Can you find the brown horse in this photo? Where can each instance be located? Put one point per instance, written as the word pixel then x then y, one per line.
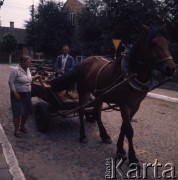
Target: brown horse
pixel 150 51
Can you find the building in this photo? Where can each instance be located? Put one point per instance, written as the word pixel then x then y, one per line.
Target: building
pixel 20 35
pixel 74 7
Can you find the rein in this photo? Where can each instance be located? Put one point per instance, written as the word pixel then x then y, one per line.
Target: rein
pixel 100 91
pixel 99 73
pixel 99 98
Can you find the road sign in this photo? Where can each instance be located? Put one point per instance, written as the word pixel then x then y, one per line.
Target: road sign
pixel 116 43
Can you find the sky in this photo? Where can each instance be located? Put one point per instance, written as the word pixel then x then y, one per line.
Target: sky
pixel 17 11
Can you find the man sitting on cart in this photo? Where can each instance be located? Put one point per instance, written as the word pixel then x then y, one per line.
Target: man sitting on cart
pixel 64 62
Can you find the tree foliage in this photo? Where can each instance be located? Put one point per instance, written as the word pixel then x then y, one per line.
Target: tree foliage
pixel 123 19
pixel 9 43
pixel 48 29
pixel 92 29
pixel 99 22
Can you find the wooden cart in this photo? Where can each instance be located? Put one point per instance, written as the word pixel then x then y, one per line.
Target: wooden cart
pixel 55 104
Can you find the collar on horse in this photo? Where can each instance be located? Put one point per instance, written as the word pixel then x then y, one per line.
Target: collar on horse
pixel 134 82
pixel 127 74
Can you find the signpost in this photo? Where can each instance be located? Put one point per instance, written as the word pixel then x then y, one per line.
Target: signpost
pixel 116 43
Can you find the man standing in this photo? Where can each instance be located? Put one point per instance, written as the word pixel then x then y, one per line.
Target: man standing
pixel 64 62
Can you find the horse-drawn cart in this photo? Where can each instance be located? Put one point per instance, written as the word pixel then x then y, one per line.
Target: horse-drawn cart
pixel 54 104
pixel 122 83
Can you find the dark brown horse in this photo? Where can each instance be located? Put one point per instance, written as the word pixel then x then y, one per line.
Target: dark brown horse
pixel 96 73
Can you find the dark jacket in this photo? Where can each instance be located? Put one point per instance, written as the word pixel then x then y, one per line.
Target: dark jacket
pixel 70 63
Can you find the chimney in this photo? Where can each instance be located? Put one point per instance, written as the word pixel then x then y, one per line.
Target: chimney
pixel 11 24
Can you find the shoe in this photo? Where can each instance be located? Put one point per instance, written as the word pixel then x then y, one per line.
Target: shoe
pixel 18 135
pixel 24 130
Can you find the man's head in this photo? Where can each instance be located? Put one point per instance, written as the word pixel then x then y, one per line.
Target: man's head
pixel 65 50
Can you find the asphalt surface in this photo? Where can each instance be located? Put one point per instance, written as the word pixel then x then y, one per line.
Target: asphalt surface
pixel 59 155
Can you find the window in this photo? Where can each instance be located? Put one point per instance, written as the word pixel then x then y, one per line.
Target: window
pixel 72 18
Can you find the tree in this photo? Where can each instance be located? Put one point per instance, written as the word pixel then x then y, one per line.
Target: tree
pixel 122 19
pixel 170 16
pixel 49 29
pixel 1 3
pixel 9 44
pixel 127 16
pixel 92 31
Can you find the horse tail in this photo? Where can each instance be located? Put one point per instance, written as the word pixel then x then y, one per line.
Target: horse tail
pixel 64 82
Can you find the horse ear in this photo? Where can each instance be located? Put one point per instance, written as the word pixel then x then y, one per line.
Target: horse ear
pixel 145 28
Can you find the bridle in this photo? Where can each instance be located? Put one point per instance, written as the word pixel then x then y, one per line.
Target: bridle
pixel 146 87
pixel 160 61
pixel 156 63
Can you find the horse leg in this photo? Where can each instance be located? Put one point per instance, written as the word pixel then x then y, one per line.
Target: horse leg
pixel 82 99
pixel 134 110
pixel 120 150
pixel 103 133
pixel 128 131
pixel 83 137
pixel 121 154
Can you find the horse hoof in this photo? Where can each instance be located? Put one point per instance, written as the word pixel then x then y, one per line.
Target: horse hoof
pixel 122 156
pixel 83 140
pixel 107 141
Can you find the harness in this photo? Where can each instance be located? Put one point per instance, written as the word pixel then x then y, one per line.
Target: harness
pixel 134 82
pixel 128 78
pixel 98 91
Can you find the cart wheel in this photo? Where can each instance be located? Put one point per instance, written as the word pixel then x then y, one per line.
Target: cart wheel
pixel 42 117
pixel 89 116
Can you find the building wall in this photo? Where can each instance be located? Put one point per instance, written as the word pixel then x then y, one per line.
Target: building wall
pixel 74 7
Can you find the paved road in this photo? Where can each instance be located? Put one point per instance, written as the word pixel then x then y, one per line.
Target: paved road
pixel 58 154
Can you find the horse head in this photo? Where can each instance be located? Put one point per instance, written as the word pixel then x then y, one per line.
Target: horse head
pixel 157 53
pixel 149 52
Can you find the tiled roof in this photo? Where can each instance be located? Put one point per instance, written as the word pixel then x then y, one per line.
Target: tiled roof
pixel 20 34
pixel 82 1
pixel 74 5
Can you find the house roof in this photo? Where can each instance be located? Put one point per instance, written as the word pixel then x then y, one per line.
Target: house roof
pixel 82 1
pixel 74 5
pixel 20 34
